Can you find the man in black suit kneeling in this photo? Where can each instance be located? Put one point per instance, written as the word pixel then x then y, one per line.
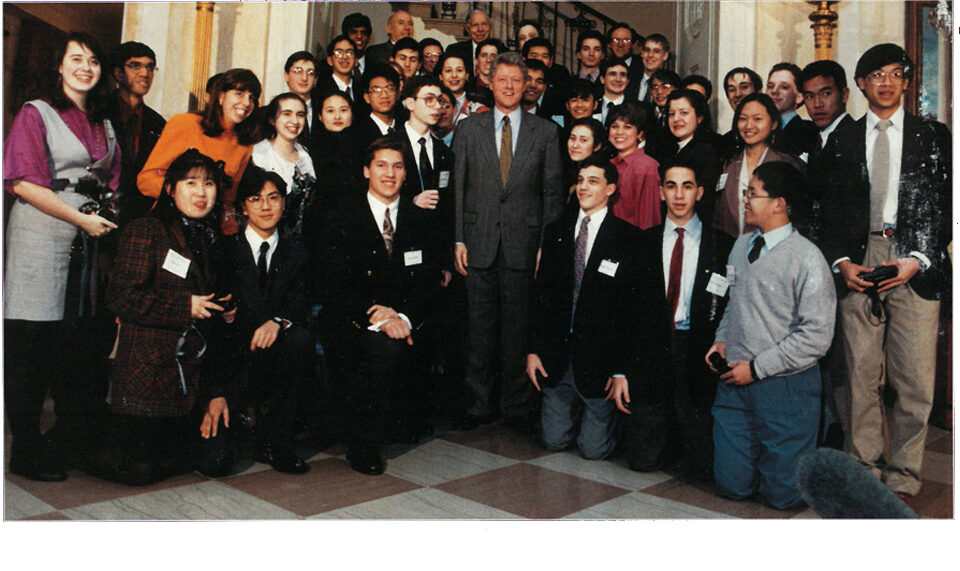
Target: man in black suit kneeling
pixel 379 270
pixel 268 343
pixel 591 334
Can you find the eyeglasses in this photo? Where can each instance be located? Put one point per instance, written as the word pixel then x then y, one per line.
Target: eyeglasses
pixel 389 89
pixel 751 196
pixel 877 77
pixel 662 87
pixel 137 66
pixel 344 53
pixel 274 198
pixel 622 41
pixel 431 56
pixel 301 71
pixel 429 100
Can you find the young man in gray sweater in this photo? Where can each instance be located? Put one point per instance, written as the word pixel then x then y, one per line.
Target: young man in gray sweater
pixel 778 323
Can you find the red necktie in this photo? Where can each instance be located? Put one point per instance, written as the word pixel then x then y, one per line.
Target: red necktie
pixel 676 270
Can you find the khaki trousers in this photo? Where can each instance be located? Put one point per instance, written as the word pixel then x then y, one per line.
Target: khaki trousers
pixel 900 353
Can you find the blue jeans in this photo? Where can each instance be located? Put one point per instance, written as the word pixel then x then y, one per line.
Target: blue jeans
pixel 564 407
pixel 759 433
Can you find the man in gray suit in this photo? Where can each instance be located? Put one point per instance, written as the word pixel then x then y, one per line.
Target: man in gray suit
pixel 507 181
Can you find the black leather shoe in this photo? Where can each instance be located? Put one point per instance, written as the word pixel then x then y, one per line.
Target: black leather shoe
pixel 286 461
pixel 366 459
pixel 38 472
pixel 472 421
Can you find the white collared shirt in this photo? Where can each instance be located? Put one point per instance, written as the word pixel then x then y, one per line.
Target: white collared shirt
pixel 414 138
pixel 684 143
pixel 605 108
pixel 381 125
pixel 377 208
pixel 498 116
pixel 343 86
pixel 825 133
pixel 786 118
pixel 895 138
pixel 310 113
pixel 596 219
pixel 362 63
pixel 254 240
pixel 644 86
pixel 693 229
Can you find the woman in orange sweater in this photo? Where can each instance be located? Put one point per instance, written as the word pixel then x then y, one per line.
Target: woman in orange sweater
pixel 222 132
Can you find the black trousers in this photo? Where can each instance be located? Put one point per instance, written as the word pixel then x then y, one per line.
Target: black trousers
pixel 139 451
pixel 693 424
pixel 498 306
pixel 376 383
pixel 275 381
pixel 54 356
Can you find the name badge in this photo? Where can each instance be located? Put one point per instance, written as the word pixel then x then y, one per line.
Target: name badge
pixel 176 264
pixel 731 275
pixel 609 268
pixel 723 181
pixel 413 258
pixel 444 179
pixel 718 285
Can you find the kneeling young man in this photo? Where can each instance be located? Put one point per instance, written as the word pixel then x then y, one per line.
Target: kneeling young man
pixel 778 324
pixel 269 344
pixel 588 326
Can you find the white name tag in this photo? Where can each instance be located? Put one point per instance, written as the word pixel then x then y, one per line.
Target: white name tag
pixel 176 264
pixel 731 275
pixel 609 268
pixel 413 258
pixel 718 285
pixel 444 179
pixel 722 182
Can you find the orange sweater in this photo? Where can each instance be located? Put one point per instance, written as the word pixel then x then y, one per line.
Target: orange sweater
pixel 183 132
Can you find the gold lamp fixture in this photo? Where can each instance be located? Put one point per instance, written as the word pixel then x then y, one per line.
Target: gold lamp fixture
pixel 824 23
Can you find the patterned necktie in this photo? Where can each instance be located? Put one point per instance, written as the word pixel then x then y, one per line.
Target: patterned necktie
pixel 676 271
pixel 426 171
pixel 506 150
pixel 388 232
pixel 262 266
pixel 579 261
pixel 879 175
pixel 755 251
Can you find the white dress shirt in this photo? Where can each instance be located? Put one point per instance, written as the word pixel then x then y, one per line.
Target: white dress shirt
pixel 596 219
pixel 344 86
pixel 415 143
pixel 379 209
pixel 605 108
pixel 254 240
pixel 895 137
pixel 310 113
pixel 381 125
pixel 693 230
pixel 771 238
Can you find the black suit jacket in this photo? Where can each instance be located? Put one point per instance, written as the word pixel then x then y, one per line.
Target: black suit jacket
pixel 706 309
pixel 285 295
pixel 378 54
pixel 800 136
pixel 326 85
pixel 132 203
pixel 413 184
pixel 357 273
pixel 703 153
pixel 924 205
pixel 366 131
pixel 614 331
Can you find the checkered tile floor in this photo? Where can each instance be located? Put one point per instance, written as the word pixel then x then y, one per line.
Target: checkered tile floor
pixel 487 474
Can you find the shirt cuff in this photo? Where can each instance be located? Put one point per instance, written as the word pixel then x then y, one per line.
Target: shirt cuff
pixel 924 261
pixel 834 265
pixel 619 375
pixel 407 320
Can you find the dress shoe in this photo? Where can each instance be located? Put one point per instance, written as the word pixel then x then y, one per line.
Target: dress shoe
pixel 366 459
pixel 283 461
pixel 472 421
pixel 41 471
pixel 909 500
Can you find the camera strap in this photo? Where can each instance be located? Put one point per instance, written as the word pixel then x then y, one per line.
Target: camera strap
pixel 180 352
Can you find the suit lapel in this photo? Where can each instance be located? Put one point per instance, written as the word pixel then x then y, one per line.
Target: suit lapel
pixel 657 269
pixel 524 142
pixel 601 246
pixel 489 150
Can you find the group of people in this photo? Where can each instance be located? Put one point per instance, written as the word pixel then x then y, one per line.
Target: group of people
pixel 580 253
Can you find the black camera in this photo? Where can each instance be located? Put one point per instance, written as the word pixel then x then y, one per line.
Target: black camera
pixel 879 274
pixel 228 305
pixel 718 363
pixel 100 199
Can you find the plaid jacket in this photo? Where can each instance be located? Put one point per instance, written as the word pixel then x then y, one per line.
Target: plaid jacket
pixel 154 309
